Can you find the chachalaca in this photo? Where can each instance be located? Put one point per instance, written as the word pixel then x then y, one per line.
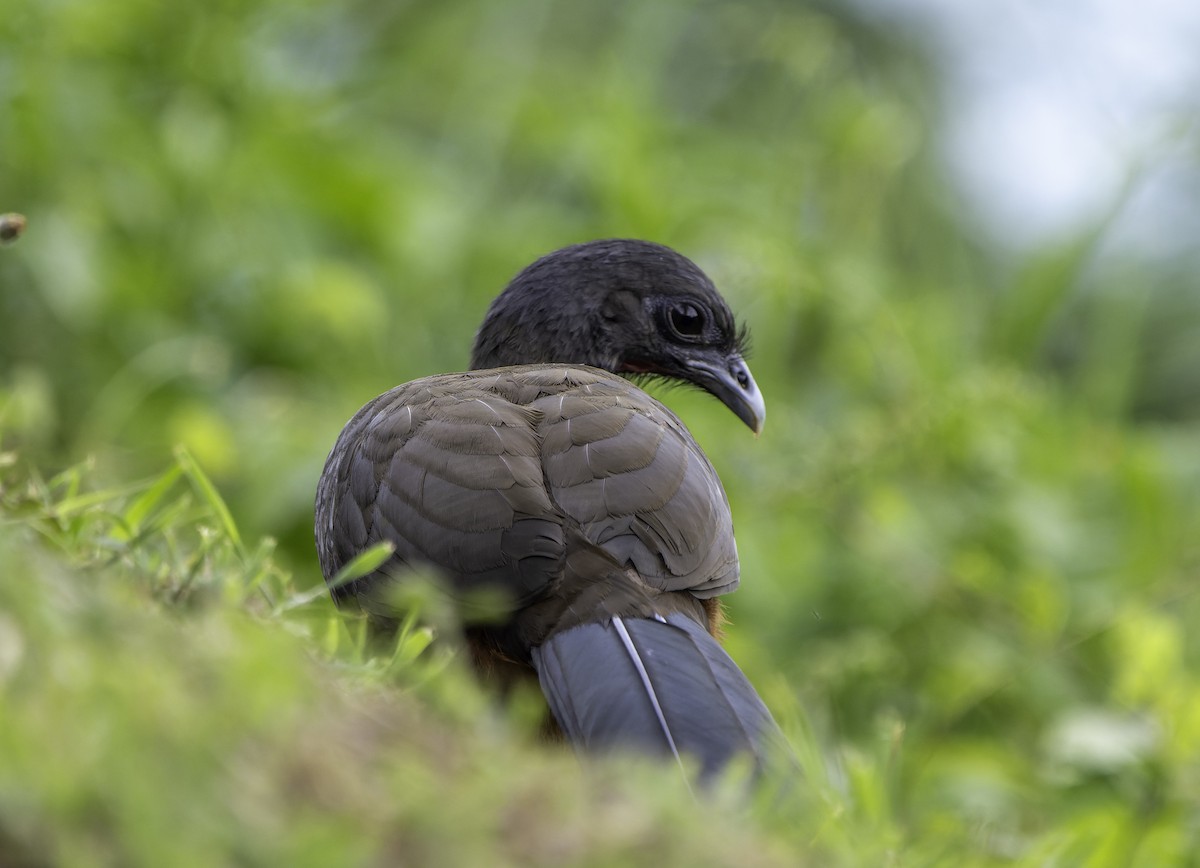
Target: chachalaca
pixel 584 502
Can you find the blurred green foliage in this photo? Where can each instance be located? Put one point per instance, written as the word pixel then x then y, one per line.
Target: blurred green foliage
pixel 968 534
pixel 163 706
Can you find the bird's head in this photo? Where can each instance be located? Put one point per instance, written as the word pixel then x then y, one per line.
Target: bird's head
pixel 630 307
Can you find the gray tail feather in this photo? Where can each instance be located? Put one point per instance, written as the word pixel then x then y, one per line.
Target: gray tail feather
pixel 660 686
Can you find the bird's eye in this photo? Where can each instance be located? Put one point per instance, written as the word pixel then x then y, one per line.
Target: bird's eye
pixel 687 320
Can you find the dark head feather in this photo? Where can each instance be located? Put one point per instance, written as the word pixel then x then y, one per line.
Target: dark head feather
pixel 626 306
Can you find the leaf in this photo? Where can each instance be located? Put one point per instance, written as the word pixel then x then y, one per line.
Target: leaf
pixel 149 499
pixel 363 564
pixel 209 494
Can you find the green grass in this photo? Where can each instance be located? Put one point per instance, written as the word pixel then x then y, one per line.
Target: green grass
pixel 171 697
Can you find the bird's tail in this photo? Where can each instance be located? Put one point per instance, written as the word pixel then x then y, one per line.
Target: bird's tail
pixel 658 685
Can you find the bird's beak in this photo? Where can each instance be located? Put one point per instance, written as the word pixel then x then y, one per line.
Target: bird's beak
pixel 729 378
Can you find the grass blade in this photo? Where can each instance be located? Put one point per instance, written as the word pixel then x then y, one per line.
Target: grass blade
pixel 361 565
pixel 209 494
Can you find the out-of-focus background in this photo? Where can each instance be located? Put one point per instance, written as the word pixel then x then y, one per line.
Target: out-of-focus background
pixel 964 237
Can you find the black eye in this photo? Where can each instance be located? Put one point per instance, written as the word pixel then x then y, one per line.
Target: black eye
pixel 687 320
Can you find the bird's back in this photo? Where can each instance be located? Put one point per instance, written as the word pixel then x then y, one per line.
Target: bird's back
pixel 489 476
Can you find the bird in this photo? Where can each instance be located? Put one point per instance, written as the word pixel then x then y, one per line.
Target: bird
pixel 545 482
